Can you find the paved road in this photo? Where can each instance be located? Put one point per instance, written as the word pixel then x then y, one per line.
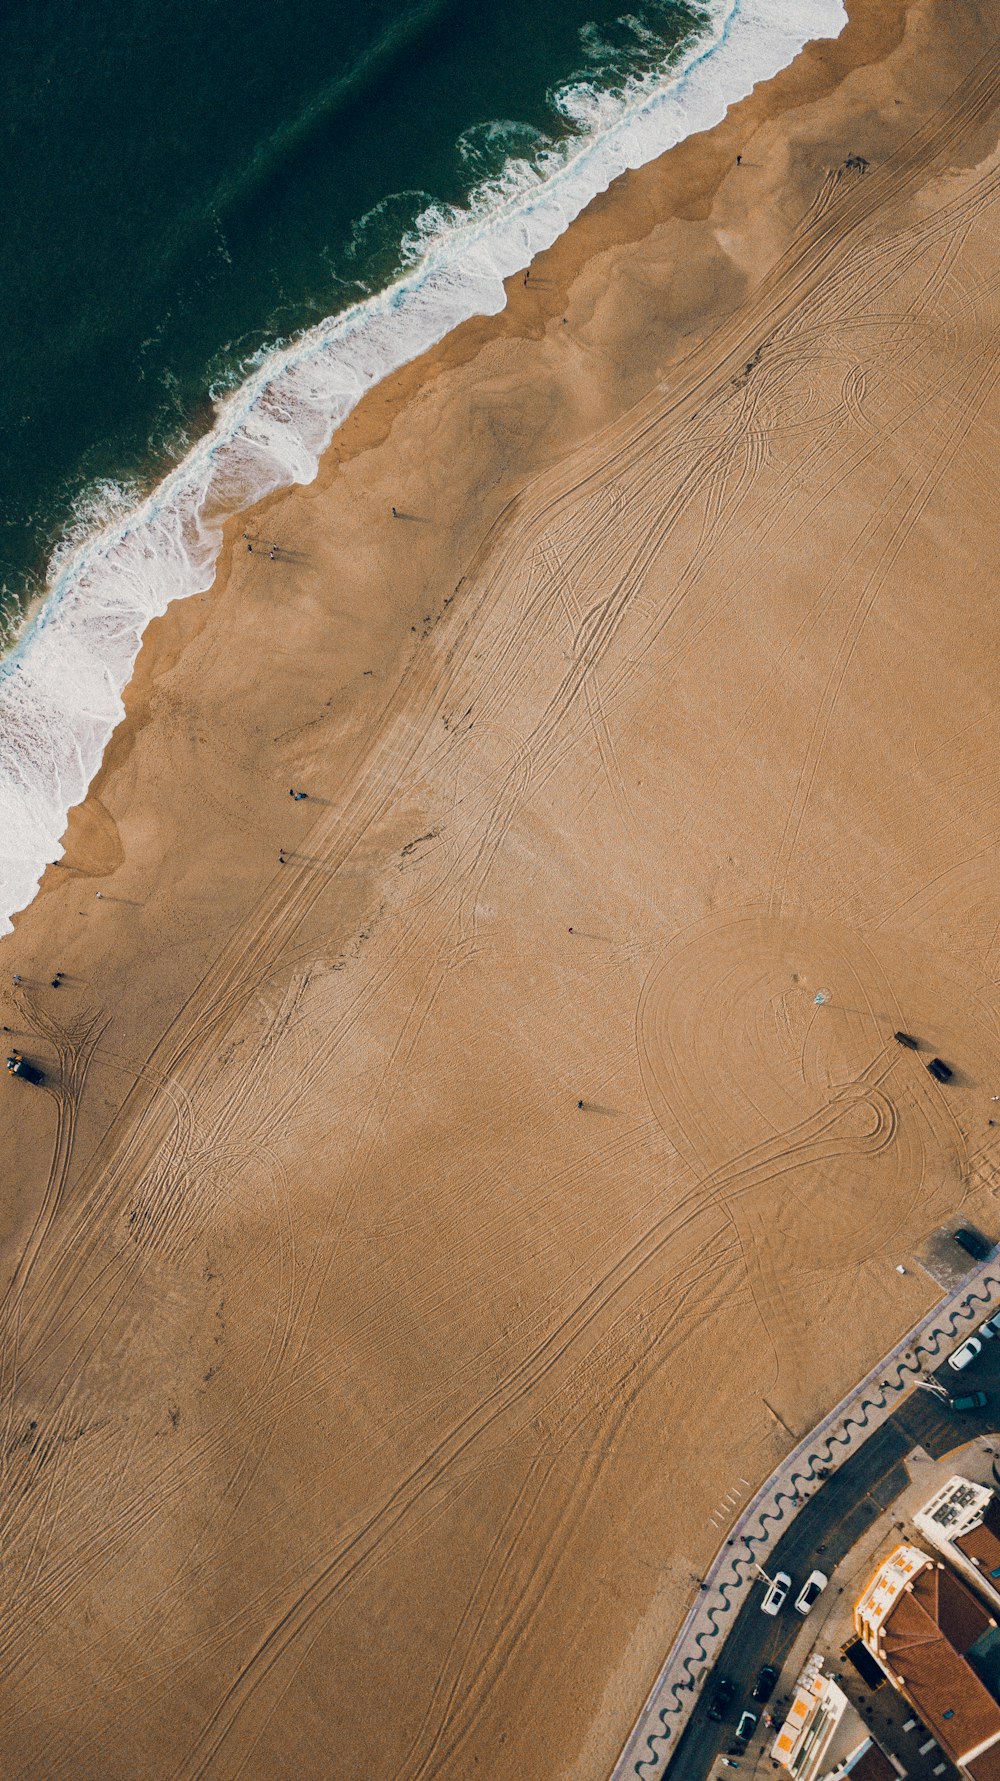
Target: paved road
pixel 779 1501
pixel 822 1535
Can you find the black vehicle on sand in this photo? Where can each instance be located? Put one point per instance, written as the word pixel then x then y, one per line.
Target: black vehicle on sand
pixel 19 1066
pixel 973 1242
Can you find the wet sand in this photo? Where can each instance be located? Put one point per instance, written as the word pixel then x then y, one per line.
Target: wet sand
pixel 371 1407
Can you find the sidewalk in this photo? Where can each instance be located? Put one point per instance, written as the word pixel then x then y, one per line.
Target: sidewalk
pixel 776 1504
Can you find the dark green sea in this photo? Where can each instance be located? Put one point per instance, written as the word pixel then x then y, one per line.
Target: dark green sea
pixel 221 225
pixel 189 182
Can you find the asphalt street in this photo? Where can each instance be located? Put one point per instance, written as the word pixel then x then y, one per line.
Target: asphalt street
pixel 822 1535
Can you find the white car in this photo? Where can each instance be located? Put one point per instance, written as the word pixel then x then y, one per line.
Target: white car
pixel 992 1326
pixel 811 1591
pixel 968 1351
pixel 778 1588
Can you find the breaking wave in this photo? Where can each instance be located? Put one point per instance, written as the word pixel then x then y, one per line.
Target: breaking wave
pixel 127 558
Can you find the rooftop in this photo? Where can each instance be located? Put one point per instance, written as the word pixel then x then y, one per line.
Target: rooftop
pixel 823 1735
pixel 981 1544
pixel 987 1766
pixel 925 1632
pixel 872 1765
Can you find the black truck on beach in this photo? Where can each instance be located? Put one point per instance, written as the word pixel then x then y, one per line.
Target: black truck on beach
pixel 19 1066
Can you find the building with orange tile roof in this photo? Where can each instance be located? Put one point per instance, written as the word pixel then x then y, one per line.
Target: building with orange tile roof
pixel 922 1623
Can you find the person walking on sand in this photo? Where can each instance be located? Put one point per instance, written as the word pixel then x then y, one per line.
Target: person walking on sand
pixel 395 514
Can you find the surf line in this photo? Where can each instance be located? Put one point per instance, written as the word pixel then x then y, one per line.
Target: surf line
pixel 61 686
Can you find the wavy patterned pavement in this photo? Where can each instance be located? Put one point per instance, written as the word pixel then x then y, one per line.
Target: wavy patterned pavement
pixel 417 1245
pixel 776 1505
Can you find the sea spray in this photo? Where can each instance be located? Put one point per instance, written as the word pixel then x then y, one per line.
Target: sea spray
pixel 61 687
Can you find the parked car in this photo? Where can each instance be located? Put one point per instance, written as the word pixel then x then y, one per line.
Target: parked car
pixel 966 1354
pixel 811 1591
pixel 973 1243
pixel 973 1400
pixel 766 1683
pixel 992 1324
pixel 778 1588
pixel 745 1729
pixel 723 1693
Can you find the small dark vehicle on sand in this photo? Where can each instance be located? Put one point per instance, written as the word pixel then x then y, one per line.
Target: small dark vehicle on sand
pixel 973 1243
pixel 19 1066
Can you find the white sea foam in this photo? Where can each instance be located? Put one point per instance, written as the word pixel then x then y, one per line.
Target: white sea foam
pixel 61 688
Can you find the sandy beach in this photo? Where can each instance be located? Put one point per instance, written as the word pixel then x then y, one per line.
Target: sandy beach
pixel 452 1188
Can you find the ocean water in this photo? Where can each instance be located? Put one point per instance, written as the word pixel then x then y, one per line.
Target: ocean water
pixel 225 224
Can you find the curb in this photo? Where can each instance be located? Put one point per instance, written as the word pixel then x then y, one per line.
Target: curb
pixel 673 1696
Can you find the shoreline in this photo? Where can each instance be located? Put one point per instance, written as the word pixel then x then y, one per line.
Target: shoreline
pixel 698 167
pixel 407 1151
pixel 81 636
pixel 697 170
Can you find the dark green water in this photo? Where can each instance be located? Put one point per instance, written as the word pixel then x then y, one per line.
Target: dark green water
pixel 187 182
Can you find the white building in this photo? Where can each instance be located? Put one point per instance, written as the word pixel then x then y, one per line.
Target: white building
pixel 963 1522
pixel 824 1738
